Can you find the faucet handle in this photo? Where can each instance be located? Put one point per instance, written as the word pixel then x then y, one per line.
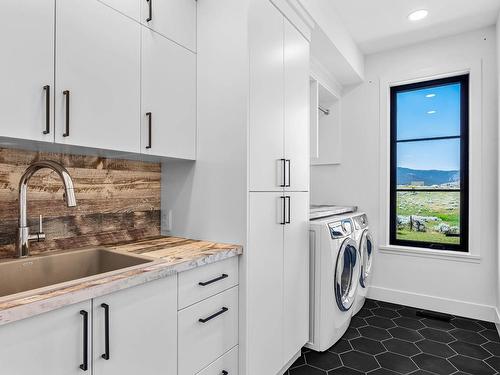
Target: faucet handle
pixel 40 224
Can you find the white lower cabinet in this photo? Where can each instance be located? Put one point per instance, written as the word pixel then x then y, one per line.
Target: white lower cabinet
pixel 142 336
pixel 50 343
pixel 225 365
pixel 207 330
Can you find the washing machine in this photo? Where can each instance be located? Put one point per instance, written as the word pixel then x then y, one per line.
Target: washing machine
pixel 334 279
pixel 364 243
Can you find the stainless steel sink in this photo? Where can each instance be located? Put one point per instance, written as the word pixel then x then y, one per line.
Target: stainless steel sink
pixel 27 274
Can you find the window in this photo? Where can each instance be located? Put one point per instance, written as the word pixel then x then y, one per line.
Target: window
pixel 429 164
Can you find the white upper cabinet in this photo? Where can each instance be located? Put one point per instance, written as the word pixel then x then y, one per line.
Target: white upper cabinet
pixel 142 330
pixel 98 77
pixel 26 68
pixel 168 98
pixel 131 8
pixel 296 113
pixel 266 104
pixel 50 343
pixel 175 19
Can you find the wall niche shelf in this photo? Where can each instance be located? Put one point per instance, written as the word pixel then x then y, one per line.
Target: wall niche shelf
pixel 325 125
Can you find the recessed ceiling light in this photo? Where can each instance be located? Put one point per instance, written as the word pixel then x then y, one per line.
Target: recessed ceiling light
pixel 431 112
pixel 430 95
pixel 418 15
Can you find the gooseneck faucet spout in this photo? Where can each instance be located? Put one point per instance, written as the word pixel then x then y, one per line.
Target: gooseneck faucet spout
pixel 24 237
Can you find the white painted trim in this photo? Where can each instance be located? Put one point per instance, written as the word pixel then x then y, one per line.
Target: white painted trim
pixel 439 304
pixel 297 15
pixel 429 253
pixel 285 368
pixel 497 322
pixel 473 67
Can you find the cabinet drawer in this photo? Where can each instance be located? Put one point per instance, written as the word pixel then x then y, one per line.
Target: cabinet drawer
pixel 228 363
pixel 207 330
pixel 200 283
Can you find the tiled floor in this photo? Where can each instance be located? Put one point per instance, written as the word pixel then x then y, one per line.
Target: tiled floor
pixel 387 339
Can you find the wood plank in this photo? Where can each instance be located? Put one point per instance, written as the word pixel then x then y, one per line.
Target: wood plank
pixel 117 201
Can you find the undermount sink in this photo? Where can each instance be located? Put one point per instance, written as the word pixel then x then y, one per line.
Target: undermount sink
pixel 31 273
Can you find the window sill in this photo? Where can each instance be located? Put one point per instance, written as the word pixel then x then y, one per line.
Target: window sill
pixel 429 253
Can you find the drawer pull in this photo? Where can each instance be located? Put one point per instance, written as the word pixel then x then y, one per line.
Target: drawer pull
pixel 105 306
pixel 221 311
pixel 85 365
pixel 221 277
pixel 224 372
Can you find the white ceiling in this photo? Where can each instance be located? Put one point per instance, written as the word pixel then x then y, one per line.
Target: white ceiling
pixel 378 25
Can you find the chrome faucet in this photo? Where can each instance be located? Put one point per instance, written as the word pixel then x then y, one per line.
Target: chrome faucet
pixel 23 234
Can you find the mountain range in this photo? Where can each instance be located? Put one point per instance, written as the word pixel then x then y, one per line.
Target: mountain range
pixel 407 176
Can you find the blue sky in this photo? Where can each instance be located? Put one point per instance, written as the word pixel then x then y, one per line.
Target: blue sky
pixel 424 113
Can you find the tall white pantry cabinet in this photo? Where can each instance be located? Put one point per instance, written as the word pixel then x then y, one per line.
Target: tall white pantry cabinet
pixel 277 254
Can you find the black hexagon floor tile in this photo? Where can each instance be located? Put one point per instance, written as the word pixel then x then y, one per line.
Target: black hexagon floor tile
pixel 367 345
pixel 401 347
pixel 410 344
pixel 435 348
pixel 396 362
pixel 325 361
pixel 471 366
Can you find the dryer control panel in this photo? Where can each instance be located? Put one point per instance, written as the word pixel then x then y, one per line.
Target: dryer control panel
pixel 340 229
pixel 361 221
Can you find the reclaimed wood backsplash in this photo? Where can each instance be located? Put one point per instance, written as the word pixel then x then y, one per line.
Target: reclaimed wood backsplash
pixel 117 200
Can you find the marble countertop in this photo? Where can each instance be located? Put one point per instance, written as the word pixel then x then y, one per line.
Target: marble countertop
pixel 169 255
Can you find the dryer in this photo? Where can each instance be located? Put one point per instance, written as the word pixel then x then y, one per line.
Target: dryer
pixel 364 242
pixel 334 279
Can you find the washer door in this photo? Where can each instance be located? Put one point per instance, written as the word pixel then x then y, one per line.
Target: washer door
pixel 347 272
pixel 366 249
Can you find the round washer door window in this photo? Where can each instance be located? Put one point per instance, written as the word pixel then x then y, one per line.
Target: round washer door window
pixel 347 272
pixel 366 256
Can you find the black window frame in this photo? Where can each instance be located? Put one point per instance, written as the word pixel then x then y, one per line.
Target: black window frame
pixel 464 163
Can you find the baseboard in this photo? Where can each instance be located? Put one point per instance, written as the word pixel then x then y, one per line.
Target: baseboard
pixel 444 305
pixel 285 368
pixel 497 323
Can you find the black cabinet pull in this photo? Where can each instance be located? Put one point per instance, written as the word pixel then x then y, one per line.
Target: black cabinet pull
pixel 288 161
pixel 66 94
pixel 288 199
pixel 106 331
pixel 221 311
pixel 47 109
pixel 224 372
pixel 150 3
pixel 149 115
pixel 283 214
pixel 283 173
pixel 205 283
pixel 84 366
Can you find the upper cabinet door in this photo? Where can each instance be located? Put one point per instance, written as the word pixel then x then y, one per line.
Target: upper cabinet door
pixel 98 77
pixel 26 68
pixel 131 8
pixel 50 343
pixel 297 113
pixel 142 330
pixel 168 98
pixel 175 19
pixel 266 99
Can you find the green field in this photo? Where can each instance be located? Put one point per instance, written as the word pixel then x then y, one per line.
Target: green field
pixel 444 206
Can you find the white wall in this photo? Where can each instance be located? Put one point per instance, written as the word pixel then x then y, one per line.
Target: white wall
pixel 464 286
pixel 498 238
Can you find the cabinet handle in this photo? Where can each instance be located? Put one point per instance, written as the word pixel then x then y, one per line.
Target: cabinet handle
pixel 84 366
pixel 288 199
pixel 106 331
pixel 47 109
pixel 283 173
pixel 150 3
pixel 221 311
pixel 205 283
pixel 283 202
pixel 224 372
pixel 287 161
pixel 66 94
pixel 149 115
